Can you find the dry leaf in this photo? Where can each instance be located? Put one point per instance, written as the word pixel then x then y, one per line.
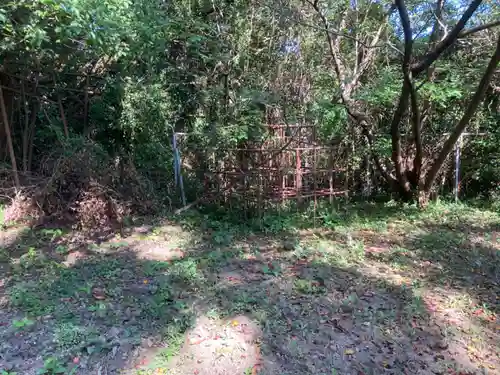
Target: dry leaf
pixel 98 293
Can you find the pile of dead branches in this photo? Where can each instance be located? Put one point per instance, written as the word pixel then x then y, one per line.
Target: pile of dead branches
pixel 84 187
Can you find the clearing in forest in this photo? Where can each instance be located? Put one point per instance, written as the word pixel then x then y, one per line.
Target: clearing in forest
pixel 376 290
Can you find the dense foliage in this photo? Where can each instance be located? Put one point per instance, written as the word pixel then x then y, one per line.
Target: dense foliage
pixel 92 91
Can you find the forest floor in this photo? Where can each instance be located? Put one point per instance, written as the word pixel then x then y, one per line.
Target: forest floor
pixel 375 290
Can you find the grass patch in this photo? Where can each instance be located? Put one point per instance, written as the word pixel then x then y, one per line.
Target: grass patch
pixel 174 346
pixel 307 286
pixel 366 273
pixel 68 335
pixel 23 323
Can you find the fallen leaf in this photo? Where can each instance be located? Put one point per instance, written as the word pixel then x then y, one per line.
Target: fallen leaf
pixel 197 341
pixel 98 293
pixel 234 323
pixel 471 349
pixel 233 280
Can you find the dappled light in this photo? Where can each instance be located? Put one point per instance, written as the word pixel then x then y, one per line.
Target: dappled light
pixel 230 187
pixel 335 300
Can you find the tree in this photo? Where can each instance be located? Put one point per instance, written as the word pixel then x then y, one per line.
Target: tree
pixel 393 83
pixel 419 54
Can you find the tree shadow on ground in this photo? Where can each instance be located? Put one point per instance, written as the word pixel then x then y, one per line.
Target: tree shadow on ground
pixel 459 264
pixel 109 306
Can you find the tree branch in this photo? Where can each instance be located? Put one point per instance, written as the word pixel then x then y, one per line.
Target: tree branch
pixel 361 119
pixel 410 87
pixel 416 125
pixel 438 25
pixel 464 121
pixel 337 64
pixel 343 35
pixel 453 35
pixel 476 29
pixel 407 31
pixel 404 97
pixel 366 61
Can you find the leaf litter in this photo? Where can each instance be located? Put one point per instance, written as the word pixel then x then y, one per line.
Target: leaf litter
pixel 184 309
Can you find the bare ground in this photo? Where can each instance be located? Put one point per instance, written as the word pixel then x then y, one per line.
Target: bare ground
pixel 392 295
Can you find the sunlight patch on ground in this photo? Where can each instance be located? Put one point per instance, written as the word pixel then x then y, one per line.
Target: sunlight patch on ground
pixel 212 346
pixel 10 235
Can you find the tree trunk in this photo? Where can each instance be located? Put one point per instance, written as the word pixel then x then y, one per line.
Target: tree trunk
pixel 30 134
pixel 63 117
pixel 10 146
pixel 462 124
pixel 397 154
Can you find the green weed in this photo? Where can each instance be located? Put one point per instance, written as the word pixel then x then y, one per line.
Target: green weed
pixel 416 307
pixel 356 250
pixel 244 301
pixel 173 348
pixel 213 314
pixel 68 335
pixel 87 288
pixel 23 323
pixel 307 286
pixel 99 308
pixel 272 268
pixel 32 258
pixel 52 366
pixel 62 249
pixel 4 255
pixel 163 295
pixel 118 245
pixel 185 271
pixel 48 234
pixel 155 268
pixel 28 299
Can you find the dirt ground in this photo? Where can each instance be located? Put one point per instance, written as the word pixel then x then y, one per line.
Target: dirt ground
pixel 394 294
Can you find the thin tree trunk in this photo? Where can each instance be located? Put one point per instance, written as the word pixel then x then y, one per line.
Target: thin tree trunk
pixel 31 133
pixel 462 124
pixel 26 128
pixel 397 156
pixel 63 116
pixel 10 146
pixel 86 106
pixel 407 92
